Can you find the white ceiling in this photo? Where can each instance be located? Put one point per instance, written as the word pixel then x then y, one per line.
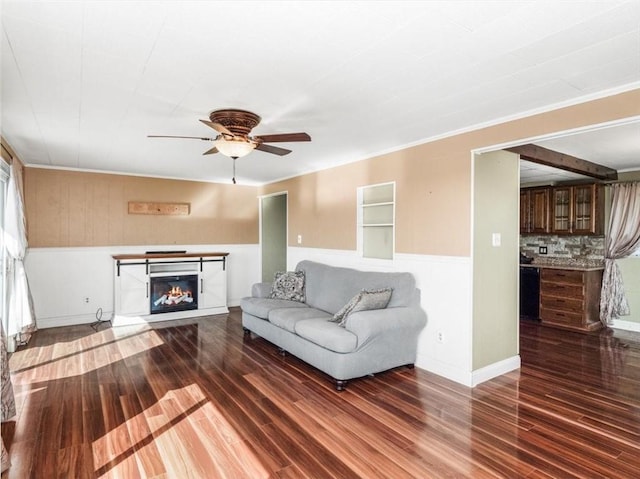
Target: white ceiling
pixel 85 82
pixel 616 146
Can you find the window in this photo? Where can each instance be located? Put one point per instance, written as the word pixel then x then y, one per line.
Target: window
pixel 376 221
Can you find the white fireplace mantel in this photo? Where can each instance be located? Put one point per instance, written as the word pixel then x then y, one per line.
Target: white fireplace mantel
pixel 133 275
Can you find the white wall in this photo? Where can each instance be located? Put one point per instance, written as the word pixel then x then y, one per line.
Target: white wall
pixel 62 278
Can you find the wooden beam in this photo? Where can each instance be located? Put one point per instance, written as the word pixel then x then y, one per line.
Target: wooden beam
pixel 543 156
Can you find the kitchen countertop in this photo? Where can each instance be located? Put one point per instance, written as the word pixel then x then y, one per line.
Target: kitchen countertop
pixel 570 264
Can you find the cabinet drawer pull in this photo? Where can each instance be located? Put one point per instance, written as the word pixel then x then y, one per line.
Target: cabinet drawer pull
pixel 201 285
pixel 147 289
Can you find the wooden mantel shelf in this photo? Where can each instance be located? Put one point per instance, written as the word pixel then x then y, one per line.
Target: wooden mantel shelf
pixel 165 255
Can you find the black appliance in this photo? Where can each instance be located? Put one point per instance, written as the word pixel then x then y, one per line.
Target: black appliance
pixel 529 292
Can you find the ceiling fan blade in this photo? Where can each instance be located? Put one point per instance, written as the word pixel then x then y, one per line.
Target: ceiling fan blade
pixel 283 137
pixel 188 137
pixel 218 127
pixel 273 149
pixel 211 151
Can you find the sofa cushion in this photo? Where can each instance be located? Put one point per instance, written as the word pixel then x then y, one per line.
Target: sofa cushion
pixel 327 335
pixel 261 307
pixel 286 318
pixel 329 288
pixel 365 300
pixel 288 285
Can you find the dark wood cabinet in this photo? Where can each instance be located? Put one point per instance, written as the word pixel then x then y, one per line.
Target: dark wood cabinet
pixel 588 209
pixel 576 209
pixel 570 298
pixel 534 210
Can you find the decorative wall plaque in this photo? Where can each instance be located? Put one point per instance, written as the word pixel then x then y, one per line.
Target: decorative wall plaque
pixel 148 208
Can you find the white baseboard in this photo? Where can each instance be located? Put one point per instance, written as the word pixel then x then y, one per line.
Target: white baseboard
pixel 445 370
pixel 56 322
pixel 494 370
pixel 470 379
pixel 626 325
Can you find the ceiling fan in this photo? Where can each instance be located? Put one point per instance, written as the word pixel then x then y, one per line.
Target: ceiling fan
pixel 234 140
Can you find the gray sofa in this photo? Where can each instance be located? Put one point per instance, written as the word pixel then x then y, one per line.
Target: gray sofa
pixel 370 342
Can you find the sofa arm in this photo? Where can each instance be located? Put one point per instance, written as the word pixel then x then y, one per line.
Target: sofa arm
pixel 368 324
pixel 261 290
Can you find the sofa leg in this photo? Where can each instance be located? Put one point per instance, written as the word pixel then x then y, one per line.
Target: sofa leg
pixel 282 352
pixel 246 331
pixel 341 384
pixel 411 366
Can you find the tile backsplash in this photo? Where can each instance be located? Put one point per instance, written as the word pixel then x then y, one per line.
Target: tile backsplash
pixel 565 247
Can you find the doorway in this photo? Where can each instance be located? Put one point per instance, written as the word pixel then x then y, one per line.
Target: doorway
pixel 273 234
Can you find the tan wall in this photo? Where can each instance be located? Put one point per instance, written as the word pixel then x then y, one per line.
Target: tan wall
pixel 433 183
pixel 65 208
pixel 433 202
pixel 322 205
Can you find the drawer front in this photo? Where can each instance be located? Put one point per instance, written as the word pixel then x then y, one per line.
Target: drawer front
pixel 560 317
pixel 574 291
pixel 571 305
pixel 562 276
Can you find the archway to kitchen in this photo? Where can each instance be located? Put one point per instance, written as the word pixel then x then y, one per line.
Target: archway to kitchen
pixel 496 246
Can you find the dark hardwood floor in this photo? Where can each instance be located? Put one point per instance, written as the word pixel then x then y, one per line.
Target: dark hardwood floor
pixel 197 399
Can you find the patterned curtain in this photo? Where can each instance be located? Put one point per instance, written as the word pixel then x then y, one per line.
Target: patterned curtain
pixel 623 238
pixel 8 409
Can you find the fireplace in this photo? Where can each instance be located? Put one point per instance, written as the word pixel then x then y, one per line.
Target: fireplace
pixel 173 293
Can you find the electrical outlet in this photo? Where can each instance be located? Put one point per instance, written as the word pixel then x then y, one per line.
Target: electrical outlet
pixel 440 337
pixel 542 250
pixel 299 239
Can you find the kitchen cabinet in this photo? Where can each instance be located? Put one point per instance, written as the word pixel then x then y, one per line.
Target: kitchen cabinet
pixel 570 298
pixel 577 209
pixel 534 210
pixel 571 209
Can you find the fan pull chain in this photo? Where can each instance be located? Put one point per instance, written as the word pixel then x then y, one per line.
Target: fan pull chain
pixel 234 171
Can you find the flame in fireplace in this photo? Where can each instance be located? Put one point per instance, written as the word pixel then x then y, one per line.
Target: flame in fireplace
pixel 176 295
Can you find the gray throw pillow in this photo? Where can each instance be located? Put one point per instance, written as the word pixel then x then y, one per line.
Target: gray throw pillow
pixel 365 300
pixel 288 285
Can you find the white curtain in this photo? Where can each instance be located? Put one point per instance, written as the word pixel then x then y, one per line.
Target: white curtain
pixel 623 238
pixel 7 400
pixel 20 316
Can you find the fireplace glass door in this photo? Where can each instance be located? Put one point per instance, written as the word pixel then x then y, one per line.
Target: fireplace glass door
pixel 173 293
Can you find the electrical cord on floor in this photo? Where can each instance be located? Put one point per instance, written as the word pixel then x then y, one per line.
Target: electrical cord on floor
pixel 99 320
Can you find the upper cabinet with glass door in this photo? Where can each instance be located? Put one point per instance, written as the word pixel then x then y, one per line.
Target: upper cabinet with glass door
pixel 577 209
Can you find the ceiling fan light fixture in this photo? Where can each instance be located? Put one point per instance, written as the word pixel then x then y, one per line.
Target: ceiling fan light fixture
pixel 234 148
